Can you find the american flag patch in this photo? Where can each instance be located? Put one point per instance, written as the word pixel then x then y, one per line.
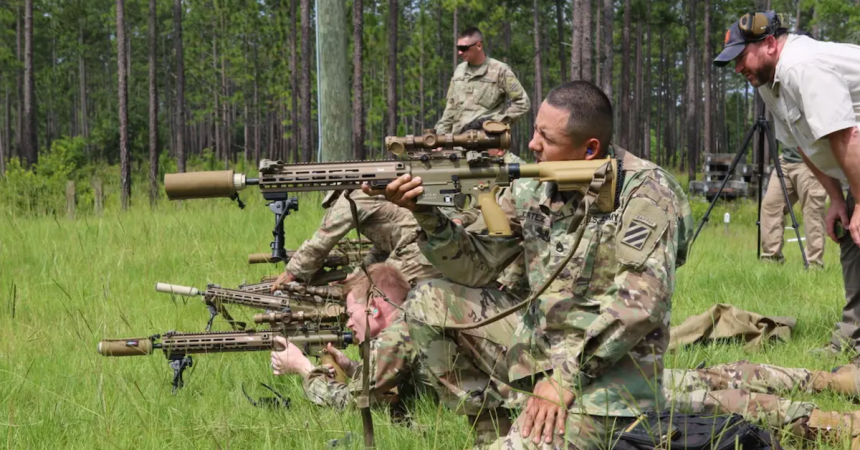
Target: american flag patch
pixel 636 235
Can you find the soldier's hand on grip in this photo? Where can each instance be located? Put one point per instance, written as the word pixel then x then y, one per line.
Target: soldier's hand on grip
pixel 403 192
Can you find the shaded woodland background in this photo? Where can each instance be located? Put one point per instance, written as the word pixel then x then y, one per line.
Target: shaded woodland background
pixel 127 90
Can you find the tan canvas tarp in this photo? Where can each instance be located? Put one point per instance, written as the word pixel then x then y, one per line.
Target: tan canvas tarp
pixel 724 321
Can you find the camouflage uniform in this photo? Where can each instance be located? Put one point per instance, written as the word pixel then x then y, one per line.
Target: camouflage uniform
pixel 599 330
pixel 392 230
pixel 393 365
pixel 743 388
pixel 482 92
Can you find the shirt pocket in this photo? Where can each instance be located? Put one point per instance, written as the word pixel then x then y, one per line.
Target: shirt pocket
pixel 487 93
pixel 799 126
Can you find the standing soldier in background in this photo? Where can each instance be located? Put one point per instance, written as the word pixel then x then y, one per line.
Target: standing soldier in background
pixel 481 88
pixel 801 185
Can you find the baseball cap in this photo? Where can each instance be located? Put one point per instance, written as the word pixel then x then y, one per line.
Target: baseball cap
pixel 751 27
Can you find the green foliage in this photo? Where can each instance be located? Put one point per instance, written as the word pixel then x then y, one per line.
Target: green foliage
pixel 42 189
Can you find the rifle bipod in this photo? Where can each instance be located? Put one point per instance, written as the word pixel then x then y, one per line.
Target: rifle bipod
pixel 179 363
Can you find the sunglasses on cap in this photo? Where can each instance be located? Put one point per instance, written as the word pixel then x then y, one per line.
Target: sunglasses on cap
pixel 465 48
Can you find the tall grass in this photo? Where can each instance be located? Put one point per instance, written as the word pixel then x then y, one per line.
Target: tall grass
pixel 66 284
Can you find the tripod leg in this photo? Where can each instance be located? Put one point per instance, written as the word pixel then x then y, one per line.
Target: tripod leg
pixel 778 168
pixel 741 151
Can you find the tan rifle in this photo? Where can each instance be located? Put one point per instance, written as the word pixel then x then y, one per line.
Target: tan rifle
pixel 177 347
pixel 448 175
pixel 308 301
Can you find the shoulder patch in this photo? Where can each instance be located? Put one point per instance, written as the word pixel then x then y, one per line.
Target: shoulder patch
pixel 643 223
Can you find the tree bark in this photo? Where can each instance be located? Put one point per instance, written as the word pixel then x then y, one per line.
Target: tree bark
pixel 336 136
pixel 647 92
pixel 537 99
pixel 125 163
pixel 634 128
pixel 29 141
pixel 708 131
pixel 180 87
pixel 421 69
pixel 576 41
pixel 19 101
pixel 391 93
pixel 690 120
pixel 608 53
pixel 7 124
pixel 562 58
pixel 153 104
pixel 295 91
pixel 587 73
pixel 456 34
pixel 305 84
pixel 598 46
pixel 358 150
pixel 82 75
pixel 625 75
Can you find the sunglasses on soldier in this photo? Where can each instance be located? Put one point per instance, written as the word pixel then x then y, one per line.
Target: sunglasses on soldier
pixel 465 48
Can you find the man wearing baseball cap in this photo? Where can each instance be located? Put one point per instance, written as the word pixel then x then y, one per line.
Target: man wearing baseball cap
pixel 812 89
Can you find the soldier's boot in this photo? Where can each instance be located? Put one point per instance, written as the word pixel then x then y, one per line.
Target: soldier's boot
pixel 489 426
pixel 835 427
pixel 844 380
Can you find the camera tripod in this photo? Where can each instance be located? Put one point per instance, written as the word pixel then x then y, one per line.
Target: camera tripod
pixel 762 127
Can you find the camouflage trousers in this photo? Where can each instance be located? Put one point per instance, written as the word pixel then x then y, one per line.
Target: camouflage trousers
pixel 742 388
pixel 412 264
pixel 469 371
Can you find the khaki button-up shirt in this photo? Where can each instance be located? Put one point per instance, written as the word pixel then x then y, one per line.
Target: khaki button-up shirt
pixel 816 91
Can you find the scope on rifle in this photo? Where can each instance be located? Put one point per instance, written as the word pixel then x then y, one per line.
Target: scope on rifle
pixel 494 135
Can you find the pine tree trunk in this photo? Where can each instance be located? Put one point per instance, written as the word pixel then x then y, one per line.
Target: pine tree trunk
pixel 305 84
pixel 153 104
pixel 635 127
pixel 537 98
pixel 587 72
pixel 646 92
pixel 708 132
pixel 180 87
pixel 608 53
pixel 391 93
pixel 125 163
pixel 625 75
pixel 19 101
pixel 690 119
pixel 29 141
pixel 456 34
pixel 598 46
pixel 358 150
pixel 293 42
pixel 576 41
pixel 7 124
pixel 82 78
pixel 421 71
pixel 562 58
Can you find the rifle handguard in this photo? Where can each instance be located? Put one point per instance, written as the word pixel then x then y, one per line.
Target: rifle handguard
pixel 223 183
pixel 176 289
pixel 125 347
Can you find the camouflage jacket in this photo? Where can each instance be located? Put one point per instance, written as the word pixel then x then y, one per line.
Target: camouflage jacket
pixel 391 229
pixel 482 92
pixel 393 364
pixel 601 327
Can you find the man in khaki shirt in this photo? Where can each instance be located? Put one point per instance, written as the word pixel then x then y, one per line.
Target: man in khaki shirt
pixel 812 89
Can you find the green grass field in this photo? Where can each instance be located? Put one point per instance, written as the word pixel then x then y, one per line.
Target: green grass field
pixel 66 284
